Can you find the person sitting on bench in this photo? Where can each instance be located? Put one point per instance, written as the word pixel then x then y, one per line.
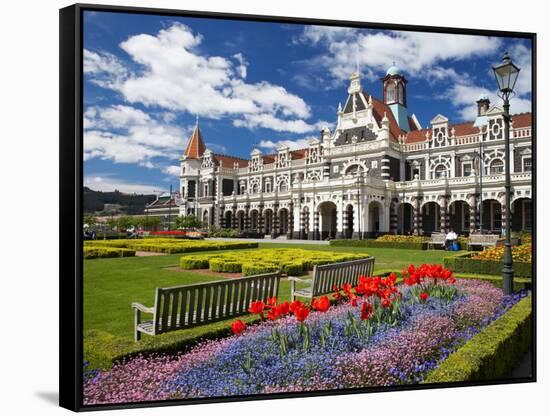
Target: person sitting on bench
pixel 450 238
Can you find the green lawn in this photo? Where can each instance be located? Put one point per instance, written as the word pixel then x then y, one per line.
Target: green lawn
pixel 111 285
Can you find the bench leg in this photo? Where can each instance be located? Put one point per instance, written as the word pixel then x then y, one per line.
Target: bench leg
pixel 137 321
pixel 292 289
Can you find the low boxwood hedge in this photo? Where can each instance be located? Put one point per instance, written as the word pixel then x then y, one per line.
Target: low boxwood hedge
pixel 168 245
pixel 380 244
pixel 463 263
pixel 493 353
pixel 92 252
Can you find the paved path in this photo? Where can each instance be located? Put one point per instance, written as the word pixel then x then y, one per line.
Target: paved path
pixel 269 240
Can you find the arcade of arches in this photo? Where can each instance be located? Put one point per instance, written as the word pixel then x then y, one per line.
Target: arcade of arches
pixel 329 220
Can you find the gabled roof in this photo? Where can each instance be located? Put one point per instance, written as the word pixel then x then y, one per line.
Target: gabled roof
pixel 466 128
pixel 195 146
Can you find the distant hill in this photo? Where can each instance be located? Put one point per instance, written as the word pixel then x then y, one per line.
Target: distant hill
pixel 131 203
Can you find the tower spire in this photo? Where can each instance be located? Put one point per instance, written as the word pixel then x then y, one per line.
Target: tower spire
pixel 195 146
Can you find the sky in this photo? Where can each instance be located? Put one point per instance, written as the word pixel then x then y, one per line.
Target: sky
pixel 147 78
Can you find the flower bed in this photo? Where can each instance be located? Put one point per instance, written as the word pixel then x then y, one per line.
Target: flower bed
pixel 467 263
pixel 168 245
pixel 386 241
pixel 95 252
pixel 493 353
pixel 376 334
pixel 520 254
pixel 293 261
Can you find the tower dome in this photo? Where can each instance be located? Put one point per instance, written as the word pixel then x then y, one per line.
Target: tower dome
pixel 393 70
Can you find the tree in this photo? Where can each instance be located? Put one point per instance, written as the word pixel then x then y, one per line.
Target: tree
pixel 149 222
pixel 187 221
pixel 89 219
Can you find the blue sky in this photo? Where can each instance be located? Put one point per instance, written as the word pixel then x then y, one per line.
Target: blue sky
pixel 146 78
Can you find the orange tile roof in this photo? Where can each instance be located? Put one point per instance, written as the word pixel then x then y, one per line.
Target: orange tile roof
pixel 522 120
pixel 229 161
pixel 195 146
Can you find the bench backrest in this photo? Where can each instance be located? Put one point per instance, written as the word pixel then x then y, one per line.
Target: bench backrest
pixel 484 238
pixel 437 237
pixel 191 305
pixel 328 275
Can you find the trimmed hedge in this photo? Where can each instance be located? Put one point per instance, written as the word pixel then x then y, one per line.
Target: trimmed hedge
pixel 170 245
pixel 463 263
pixel 379 244
pixel 292 261
pixel 493 353
pixel 92 252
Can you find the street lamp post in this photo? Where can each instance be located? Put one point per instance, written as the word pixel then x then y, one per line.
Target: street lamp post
pixel 506 74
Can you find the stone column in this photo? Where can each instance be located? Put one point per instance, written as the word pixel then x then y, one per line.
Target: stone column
pixel 261 219
pixel 275 221
pixel 344 232
pixel 443 213
pixel 290 225
pixel 417 216
pixel 316 233
pixel 234 217
pixel 221 216
pixel 393 216
pixel 385 168
pixel 302 224
pixel 247 218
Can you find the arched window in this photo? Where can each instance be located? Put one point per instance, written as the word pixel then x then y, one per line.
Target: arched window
pixel 440 171
pixel 354 170
pixel 390 93
pixel 255 187
pixel 496 167
pixel 283 186
pixel 401 97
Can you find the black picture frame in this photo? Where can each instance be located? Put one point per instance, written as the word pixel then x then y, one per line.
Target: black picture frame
pixel 71 197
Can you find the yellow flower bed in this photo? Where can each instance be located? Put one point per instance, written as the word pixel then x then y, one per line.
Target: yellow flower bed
pixel 522 253
pixel 169 245
pixel 293 261
pixel 402 238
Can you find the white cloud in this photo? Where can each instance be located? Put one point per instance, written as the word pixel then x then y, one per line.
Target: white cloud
pixel 172 170
pixel 375 51
pixel 104 69
pixel 176 76
pixel 107 183
pixel 292 144
pixel 243 64
pixel 125 134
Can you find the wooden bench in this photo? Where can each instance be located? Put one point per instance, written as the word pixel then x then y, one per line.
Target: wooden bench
pixel 187 306
pixel 326 276
pixel 483 240
pixel 437 239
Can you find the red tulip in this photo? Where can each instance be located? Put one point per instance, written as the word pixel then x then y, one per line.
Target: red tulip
pixel 257 307
pixel 322 304
pixel 386 303
pixel 238 326
pixel 452 280
pixel 424 296
pixel 272 301
pixel 283 308
pixel 366 311
pixel 301 313
pixel 295 305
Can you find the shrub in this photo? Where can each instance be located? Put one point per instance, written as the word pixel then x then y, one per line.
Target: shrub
pixel 522 253
pixel 411 245
pixel 193 262
pixel 170 245
pixel 92 252
pixel 251 269
pixel 293 261
pixel 493 353
pixel 293 268
pixel 464 263
pixel 402 238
